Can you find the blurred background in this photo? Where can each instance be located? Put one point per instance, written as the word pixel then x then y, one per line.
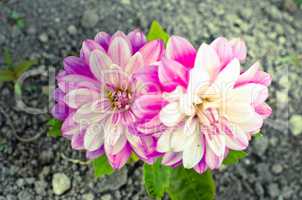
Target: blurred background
pixel 36 35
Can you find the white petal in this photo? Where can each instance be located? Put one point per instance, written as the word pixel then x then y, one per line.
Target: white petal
pixel 115 138
pixel 236 138
pixel 178 140
pixel 228 76
pixel 164 142
pixel 170 115
pixel 94 137
pixel 216 142
pixel 98 63
pixel 76 98
pixel 191 126
pixel 193 152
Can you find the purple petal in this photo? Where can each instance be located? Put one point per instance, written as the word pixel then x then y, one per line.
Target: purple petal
pixel 103 39
pixel 137 39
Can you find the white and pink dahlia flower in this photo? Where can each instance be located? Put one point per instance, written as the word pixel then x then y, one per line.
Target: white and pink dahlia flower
pixel 97 92
pixel 212 105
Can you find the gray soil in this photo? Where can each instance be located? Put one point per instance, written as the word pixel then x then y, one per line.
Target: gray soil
pixel 55 28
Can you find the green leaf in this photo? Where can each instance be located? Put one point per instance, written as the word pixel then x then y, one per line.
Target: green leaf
pixel 179 183
pixel 101 167
pixel 23 66
pixel 258 136
pixel 233 157
pixel 7 75
pixel 133 158
pixel 157 32
pixel 188 184
pixel 7 58
pixel 156 179
pixel 54 128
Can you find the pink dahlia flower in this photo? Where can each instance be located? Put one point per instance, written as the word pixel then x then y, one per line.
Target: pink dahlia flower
pixel 96 94
pixel 212 105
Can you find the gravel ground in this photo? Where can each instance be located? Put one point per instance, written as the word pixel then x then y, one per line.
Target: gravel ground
pixel 54 29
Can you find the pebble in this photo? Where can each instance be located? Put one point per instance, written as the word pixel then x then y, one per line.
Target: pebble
pixel 89 19
pixel 277 168
pixel 43 37
pixel 259 189
pixel 72 30
pixel 273 190
pixel 106 197
pixel 295 124
pixel 40 187
pixel 88 196
pixel 261 145
pixel 60 183
pixel 25 195
pixel 46 157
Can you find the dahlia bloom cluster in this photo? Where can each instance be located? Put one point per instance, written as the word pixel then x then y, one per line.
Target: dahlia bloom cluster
pixel 125 95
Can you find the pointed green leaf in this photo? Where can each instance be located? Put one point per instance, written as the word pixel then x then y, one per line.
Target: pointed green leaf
pixel 23 66
pixel 7 75
pixel 258 136
pixel 54 128
pixel 157 32
pixel 8 60
pixel 156 179
pixel 233 157
pixel 188 184
pixel 101 167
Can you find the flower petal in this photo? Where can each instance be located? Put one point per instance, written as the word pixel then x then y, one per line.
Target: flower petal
pixel 73 81
pixel 117 161
pixel 99 62
pixel 119 51
pixel 172 74
pixel 137 39
pixel 224 50
pixel 76 65
pixel 93 112
pixel 239 48
pixel 134 63
pixel 212 160
pixel 216 141
pixel 78 97
pixel 193 151
pixel 147 106
pixel 171 158
pixel 94 137
pixel 95 154
pixel 207 63
pixel 77 141
pixel 115 138
pixel 87 47
pixel 164 142
pixel 181 50
pixel 227 77
pixel 152 51
pixel 103 39
pixel 170 115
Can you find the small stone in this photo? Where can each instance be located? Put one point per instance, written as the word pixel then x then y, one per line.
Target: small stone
pixel 88 196
pixel 43 37
pixel 40 187
pixel 60 183
pixel 259 189
pixel 261 145
pixel 72 30
pixel 2 39
pixel 89 19
pixel 25 195
pixel 20 182
pixel 273 190
pixel 106 197
pixel 46 156
pixel 295 124
pixel 31 30
pixel 126 2
pixel 277 168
